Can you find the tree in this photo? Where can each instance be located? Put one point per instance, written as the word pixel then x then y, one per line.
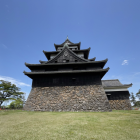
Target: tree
pixel 137 104
pixel 132 98
pixel 9 91
pixel 138 94
pixel 16 104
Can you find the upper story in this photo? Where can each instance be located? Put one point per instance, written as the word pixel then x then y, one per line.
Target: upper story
pixel 75 47
pixel 68 58
pixel 72 46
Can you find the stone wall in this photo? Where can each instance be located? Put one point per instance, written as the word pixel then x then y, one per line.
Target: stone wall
pixel 120 104
pixel 68 98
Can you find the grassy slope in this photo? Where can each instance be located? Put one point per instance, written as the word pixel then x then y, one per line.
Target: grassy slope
pixel 116 125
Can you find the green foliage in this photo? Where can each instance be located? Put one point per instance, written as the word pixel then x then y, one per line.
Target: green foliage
pixel 132 98
pixel 138 94
pixel 17 104
pixel 137 103
pixel 12 105
pixel 5 107
pixel 9 91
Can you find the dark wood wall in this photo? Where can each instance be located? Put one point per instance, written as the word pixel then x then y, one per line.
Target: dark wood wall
pixel 66 80
pixel 118 95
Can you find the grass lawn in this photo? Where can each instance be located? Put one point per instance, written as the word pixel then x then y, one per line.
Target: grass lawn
pixel 116 125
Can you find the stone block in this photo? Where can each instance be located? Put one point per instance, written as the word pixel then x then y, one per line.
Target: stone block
pixel 68 98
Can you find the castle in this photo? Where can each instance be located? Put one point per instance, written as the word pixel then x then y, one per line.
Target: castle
pixel 69 81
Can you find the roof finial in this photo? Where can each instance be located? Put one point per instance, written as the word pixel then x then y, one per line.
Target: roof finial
pixel 67 36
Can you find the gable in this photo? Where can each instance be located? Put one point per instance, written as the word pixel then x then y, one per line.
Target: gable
pixel 66 56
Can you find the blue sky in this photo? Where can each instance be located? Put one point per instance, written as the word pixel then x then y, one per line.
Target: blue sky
pixel 110 27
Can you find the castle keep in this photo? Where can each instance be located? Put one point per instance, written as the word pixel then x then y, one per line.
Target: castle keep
pixel 69 81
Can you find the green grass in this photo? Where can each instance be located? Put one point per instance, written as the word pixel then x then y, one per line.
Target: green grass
pixel 116 125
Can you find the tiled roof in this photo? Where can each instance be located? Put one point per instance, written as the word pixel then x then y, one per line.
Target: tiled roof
pixel 113 82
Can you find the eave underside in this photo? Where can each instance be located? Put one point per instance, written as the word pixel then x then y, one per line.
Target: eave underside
pixel 60 65
pixel 101 72
pixel 125 86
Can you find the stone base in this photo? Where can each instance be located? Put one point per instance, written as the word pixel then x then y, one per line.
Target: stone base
pixel 68 98
pixel 120 104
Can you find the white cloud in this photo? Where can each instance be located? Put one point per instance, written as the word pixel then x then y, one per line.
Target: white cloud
pixel 125 62
pixel 13 81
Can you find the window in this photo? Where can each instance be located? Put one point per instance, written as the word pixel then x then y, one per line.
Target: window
pixel 67 60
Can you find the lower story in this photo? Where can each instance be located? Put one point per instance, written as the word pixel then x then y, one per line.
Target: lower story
pixel 119 100
pixel 117 94
pixel 77 98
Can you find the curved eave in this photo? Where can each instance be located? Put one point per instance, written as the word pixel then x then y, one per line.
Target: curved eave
pixel 101 72
pixel 74 44
pixel 102 63
pixel 47 54
pixel 86 52
pixel 93 59
pixel 118 87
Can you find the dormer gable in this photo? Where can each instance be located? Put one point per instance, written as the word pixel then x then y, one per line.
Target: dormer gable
pixel 72 46
pixel 66 55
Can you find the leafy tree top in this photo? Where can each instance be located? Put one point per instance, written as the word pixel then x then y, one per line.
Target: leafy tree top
pixel 9 91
